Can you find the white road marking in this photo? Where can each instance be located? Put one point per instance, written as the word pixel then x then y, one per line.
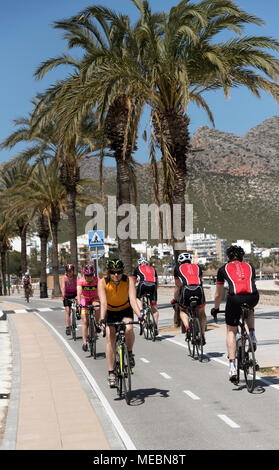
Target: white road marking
pixel 144 360
pixel 166 376
pixel 191 395
pixel 108 409
pixel 44 309
pixel 228 421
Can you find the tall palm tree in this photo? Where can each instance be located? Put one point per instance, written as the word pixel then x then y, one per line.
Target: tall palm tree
pixel 103 35
pixel 7 231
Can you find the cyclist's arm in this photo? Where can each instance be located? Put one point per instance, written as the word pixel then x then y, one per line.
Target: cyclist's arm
pixel 79 291
pixel 103 298
pixel 63 287
pixel 133 297
pixel 218 295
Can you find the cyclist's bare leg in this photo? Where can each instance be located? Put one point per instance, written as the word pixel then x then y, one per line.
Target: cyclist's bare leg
pixel 202 318
pixel 84 318
pixel 231 342
pixel 184 317
pixel 251 320
pixel 67 316
pixel 155 313
pixel 110 347
pixel 129 335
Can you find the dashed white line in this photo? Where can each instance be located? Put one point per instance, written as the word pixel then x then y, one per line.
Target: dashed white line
pixel 144 360
pixel 191 395
pixel 228 421
pixel 166 376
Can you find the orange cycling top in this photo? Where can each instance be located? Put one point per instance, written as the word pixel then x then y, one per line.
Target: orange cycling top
pixel 117 294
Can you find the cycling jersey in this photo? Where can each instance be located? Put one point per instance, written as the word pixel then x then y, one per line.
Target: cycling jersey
pixel 26 280
pixel 145 273
pixel 240 277
pixel 117 294
pixel 189 274
pixel 70 289
pixel 89 291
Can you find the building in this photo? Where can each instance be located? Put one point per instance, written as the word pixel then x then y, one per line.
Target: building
pixel 207 247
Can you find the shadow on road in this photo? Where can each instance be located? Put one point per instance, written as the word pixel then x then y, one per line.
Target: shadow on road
pixel 139 396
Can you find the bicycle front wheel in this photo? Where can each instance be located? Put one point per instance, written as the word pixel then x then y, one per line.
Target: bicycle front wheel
pixel 73 324
pixel 126 373
pixel 152 326
pixel 249 364
pixel 190 339
pixel 92 338
pixel 198 338
pixel 146 329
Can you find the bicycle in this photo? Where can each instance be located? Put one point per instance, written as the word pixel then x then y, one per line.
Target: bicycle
pixel 92 332
pixel 122 370
pixel 194 336
pixel 73 318
pixel 27 293
pixel 245 354
pixel 149 330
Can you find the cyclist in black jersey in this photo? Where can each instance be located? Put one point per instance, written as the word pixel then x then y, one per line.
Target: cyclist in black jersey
pixel 241 279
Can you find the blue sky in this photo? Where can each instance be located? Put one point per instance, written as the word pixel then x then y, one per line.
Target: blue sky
pixel 28 38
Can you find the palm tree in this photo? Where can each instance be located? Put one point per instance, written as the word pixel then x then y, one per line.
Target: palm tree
pixel 43 233
pixel 10 176
pixel 103 35
pixel 184 59
pixel 7 231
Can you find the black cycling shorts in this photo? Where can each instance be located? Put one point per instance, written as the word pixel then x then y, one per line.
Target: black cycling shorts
pixel 67 301
pixel 233 306
pixel 118 316
pixel 186 292
pixel 150 288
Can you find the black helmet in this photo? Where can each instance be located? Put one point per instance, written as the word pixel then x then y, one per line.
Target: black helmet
pixel 235 252
pixel 115 264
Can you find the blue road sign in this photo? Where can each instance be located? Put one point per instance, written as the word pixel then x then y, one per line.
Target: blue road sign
pixel 96 238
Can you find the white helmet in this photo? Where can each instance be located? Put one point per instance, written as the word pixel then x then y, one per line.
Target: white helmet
pixel 184 258
pixel 26 274
pixel 142 261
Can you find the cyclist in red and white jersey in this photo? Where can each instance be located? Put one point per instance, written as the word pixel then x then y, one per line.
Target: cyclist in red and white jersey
pixel 147 279
pixel 241 279
pixel 188 283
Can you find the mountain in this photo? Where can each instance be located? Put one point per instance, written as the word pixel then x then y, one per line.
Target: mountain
pixel 232 182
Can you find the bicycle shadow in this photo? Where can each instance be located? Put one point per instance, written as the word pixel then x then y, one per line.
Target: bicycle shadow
pixel 139 396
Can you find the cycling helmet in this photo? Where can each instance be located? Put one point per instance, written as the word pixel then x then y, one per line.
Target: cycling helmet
pixel 69 267
pixel 115 264
pixel 184 258
pixel 142 261
pixel 235 252
pixel 88 270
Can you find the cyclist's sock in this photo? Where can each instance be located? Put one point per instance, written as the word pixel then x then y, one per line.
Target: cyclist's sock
pixel 111 371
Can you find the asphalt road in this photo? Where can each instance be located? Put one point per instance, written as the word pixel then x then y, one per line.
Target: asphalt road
pixel 177 402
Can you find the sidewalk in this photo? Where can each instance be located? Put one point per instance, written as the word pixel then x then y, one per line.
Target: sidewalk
pixel 48 393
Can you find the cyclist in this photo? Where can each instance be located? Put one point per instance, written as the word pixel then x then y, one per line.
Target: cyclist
pixel 147 284
pixel 69 292
pixel 188 283
pixel 87 294
pixel 240 277
pixel 27 283
pixel 117 294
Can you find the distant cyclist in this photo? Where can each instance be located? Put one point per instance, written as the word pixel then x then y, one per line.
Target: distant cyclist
pixel 87 294
pixel 147 279
pixel 118 303
pixel 69 292
pixel 27 284
pixel 241 279
pixel 188 283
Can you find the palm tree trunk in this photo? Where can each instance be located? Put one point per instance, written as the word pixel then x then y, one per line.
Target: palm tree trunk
pixel 54 221
pixel 4 270
pixel 43 276
pixel 123 191
pixel 72 224
pixel 22 227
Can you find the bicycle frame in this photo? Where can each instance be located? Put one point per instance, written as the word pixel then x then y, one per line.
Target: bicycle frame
pixel 195 340
pixel 245 352
pixel 148 318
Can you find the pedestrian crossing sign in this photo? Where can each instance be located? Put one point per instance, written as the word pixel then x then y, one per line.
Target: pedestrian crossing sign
pixel 96 238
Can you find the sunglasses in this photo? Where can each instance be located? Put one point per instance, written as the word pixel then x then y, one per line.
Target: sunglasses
pixel 116 272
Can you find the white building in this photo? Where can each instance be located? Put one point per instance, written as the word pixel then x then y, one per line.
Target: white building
pixel 207 247
pixel 247 246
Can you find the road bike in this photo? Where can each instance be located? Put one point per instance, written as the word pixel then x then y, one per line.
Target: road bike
pixel 27 292
pixel 194 334
pixel 92 332
pixel 122 369
pixel 245 356
pixel 149 328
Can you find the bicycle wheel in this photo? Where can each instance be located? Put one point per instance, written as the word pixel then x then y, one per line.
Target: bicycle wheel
pixel 249 364
pixel 126 373
pixel 92 338
pixel 73 324
pixel 146 328
pixel 152 326
pixel 190 339
pixel 117 372
pixel 198 338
